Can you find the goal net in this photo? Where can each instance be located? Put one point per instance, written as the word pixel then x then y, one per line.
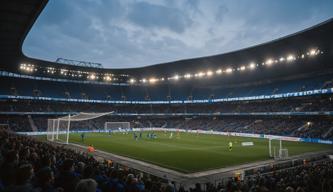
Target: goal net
pixel 117 126
pixel 59 129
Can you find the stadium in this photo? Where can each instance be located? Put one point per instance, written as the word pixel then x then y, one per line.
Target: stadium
pixel 255 119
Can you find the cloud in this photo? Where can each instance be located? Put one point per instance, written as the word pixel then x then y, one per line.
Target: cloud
pixel 132 33
pixel 221 12
pixel 157 16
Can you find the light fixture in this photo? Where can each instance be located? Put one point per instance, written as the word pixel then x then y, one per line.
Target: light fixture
pixel 313 52
pixel 228 70
pixel 209 73
pixel 291 58
pixel 200 74
pixel 107 78
pixel 153 80
pixel 269 62
pixel 132 81
pixel 92 76
pixel 252 65
pixel 187 76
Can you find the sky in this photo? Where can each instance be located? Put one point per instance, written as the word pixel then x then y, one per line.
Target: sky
pixel 136 33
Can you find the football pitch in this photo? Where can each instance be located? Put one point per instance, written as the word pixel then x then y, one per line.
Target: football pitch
pixel 189 152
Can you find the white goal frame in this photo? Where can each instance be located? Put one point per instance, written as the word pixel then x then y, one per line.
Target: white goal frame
pixel 281 154
pixel 54 124
pixel 127 125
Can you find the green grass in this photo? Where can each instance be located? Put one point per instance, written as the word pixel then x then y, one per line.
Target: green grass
pixel 191 152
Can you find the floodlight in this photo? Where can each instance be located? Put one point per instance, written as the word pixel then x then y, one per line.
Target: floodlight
pixel 91 76
pixel 228 70
pixel 187 76
pixel 291 58
pixel 107 78
pixel 153 80
pixel 313 52
pixel 242 68
pixel 200 74
pixel 219 71
pixel 252 65
pixel 209 73
pixel 282 59
pixel 269 62
pixel 176 77
pixel 63 71
pixel 22 66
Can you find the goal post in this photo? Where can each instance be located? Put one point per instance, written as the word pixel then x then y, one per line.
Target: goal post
pixel 51 128
pixel 115 126
pixel 59 129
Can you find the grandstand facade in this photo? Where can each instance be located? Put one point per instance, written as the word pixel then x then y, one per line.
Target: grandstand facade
pixel 291 76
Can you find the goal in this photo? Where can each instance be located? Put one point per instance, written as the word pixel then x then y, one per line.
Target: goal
pixel 276 150
pixel 116 126
pixel 59 129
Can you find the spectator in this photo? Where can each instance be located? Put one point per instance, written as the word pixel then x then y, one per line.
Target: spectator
pixel 86 185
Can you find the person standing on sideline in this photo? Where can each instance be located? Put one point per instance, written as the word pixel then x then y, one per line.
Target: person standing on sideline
pixel 82 136
pixel 230 146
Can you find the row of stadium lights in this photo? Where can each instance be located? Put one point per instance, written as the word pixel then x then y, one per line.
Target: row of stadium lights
pixel 209 73
pixel 28 67
pixel 289 58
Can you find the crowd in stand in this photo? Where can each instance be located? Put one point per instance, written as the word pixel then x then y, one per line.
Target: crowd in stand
pixel 307 178
pixel 298 104
pixel 29 165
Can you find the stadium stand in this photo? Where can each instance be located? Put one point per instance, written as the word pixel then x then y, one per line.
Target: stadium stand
pixel 33 90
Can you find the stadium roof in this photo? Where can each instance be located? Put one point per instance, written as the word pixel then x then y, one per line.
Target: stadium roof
pixel 17 18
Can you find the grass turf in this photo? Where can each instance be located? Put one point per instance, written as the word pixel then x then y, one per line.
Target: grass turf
pixel 190 152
